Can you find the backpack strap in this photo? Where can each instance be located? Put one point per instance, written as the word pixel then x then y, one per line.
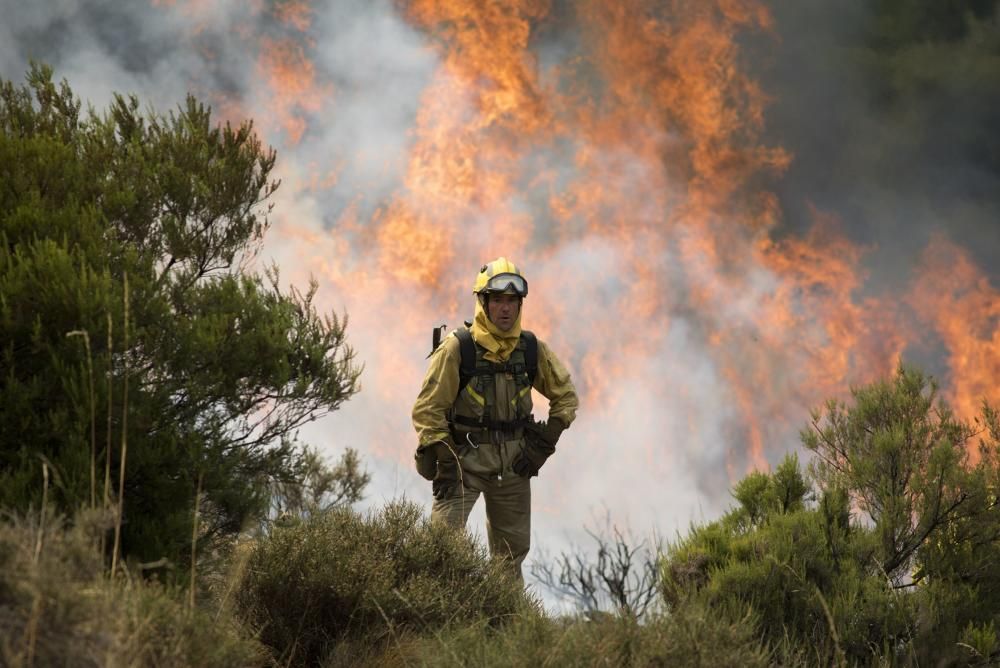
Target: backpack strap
pixel 467 367
pixel 530 354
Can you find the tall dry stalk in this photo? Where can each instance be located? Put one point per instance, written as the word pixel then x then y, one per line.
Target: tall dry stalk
pixel 121 468
pixel 238 568
pixel 41 518
pixel 194 534
pixel 31 634
pixel 107 449
pixel 93 416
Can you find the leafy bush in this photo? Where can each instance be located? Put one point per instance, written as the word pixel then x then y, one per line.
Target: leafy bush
pixel 808 577
pixel 913 580
pixel 129 315
pixel 340 578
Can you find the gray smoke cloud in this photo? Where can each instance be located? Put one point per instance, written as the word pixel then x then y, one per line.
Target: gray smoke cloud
pixel 104 46
pixel 894 122
pixel 660 450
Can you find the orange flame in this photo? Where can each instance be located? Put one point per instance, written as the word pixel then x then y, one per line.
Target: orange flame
pixel 296 14
pixel 291 77
pixel 954 298
pixel 615 151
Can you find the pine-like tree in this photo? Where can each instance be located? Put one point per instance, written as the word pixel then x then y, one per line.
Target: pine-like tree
pixel 130 323
pixel 889 552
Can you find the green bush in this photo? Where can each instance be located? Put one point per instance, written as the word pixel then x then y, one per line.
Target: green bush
pixel 340 578
pixel 129 317
pixel 912 581
pixel 57 608
pixel 805 574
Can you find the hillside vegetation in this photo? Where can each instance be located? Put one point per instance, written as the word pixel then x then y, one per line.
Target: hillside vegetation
pixel 159 511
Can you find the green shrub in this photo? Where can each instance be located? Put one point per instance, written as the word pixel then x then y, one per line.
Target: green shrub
pixel 807 576
pixel 340 578
pixel 979 642
pixel 911 579
pixel 151 216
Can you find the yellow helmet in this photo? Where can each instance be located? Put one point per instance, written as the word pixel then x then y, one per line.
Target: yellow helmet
pixel 500 275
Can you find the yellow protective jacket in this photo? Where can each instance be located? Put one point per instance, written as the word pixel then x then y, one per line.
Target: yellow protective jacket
pixel 439 395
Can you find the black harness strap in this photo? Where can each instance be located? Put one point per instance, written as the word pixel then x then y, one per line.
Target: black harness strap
pixel 530 354
pixel 467 367
pixel 467 346
pixel 486 423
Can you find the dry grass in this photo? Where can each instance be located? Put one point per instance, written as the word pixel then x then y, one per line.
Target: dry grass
pixel 387 589
pixel 57 607
pixel 692 637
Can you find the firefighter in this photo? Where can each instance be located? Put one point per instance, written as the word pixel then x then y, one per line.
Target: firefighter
pixel 477 435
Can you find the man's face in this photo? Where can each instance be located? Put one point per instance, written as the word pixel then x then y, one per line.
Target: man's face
pixel 503 309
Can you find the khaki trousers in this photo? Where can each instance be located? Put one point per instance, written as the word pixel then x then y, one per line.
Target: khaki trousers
pixel 508 514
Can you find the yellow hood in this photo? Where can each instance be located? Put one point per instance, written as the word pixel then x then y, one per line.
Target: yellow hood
pixel 499 344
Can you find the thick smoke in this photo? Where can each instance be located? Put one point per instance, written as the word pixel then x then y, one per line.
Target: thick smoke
pixel 102 47
pixel 894 122
pixel 894 133
pixel 892 113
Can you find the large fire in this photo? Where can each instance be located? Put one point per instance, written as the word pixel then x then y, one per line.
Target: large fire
pixel 614 151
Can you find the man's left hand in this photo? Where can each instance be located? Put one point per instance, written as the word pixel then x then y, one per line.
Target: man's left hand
pixel 540 443
pixel 547 432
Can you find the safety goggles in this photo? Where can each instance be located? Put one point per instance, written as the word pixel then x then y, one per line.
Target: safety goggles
pixel 505 282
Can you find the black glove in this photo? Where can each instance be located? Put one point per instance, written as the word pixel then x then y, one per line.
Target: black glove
pixel 550 432
pixel 448 476
pixel 540 440
pixel 425 459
